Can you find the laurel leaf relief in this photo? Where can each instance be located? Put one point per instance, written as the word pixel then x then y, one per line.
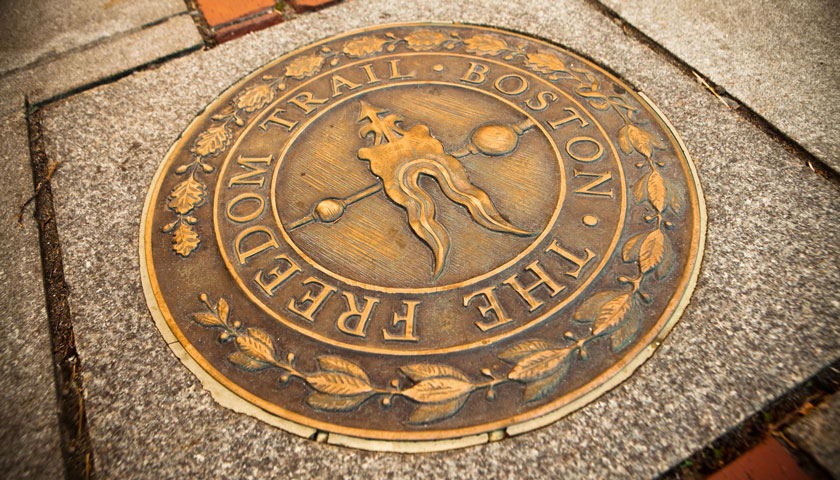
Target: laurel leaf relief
pixel 616 314
pixel 657 191
pixel 257 345
pixel 340 386
pixel 440 390
pixel 651 250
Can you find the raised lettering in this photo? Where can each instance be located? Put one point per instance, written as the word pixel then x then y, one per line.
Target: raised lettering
pixel 274 119
pixel 584 158
pixel 575 116
pixel 372 78
pixel 362 316
pixel 543 100
pixel 339 81
pixel 542 280
pixel 522 84
pixel 408 319
pixel 579 262
pixel 307 306
pixel 247 217
pixel 395 71
pixel 491 306
pixel 305 100
pixel 243 256
pixel 476 74
pixel 276 276
pixel 600 178
pixel 250 164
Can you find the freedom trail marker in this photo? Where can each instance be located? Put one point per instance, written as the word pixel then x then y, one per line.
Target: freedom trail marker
pixel 419 237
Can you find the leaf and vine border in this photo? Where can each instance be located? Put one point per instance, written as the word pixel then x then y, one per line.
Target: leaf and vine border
pixel 439 390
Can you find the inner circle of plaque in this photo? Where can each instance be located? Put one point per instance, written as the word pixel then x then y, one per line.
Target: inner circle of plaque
pixel 349 246
pixel 351 102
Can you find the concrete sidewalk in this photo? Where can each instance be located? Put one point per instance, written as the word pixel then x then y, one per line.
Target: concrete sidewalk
pixel 759 118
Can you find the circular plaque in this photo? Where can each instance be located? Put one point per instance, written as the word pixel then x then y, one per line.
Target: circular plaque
pixel 419 237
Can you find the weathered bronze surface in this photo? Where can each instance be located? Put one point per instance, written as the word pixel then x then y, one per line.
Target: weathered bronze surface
pixel 421 232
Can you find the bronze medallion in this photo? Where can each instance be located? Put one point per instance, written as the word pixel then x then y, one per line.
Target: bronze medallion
pixel 418 233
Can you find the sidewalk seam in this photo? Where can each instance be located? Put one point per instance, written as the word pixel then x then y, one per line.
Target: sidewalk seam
pixel 50 57
pixel 72 420
pixel 817 165
pixel 116 76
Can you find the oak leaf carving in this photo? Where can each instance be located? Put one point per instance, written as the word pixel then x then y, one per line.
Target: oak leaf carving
pixel 212 141
pixel 363 46
pixel 544 62
pixel 485 45
pixel 424 40
pixel 186 195
pixel 303 67
pixel 255 98
pixel 184 239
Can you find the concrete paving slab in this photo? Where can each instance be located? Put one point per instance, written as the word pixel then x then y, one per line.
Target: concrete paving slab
pixel 36 30
pixel 762 319
pixel 74 70
pixel 782 59
pixel 29 435
pixel 819 434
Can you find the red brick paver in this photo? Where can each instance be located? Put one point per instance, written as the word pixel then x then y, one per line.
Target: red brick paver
pixel 769 460
pixel 218 12
pixel 306 5
pixel 251 25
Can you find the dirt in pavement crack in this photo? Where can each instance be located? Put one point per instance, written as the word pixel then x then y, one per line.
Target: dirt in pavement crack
pixel 75 438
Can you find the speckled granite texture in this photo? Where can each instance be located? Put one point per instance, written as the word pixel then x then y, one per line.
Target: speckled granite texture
pixel 29 437
pixel 762 319
pixel 780 58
